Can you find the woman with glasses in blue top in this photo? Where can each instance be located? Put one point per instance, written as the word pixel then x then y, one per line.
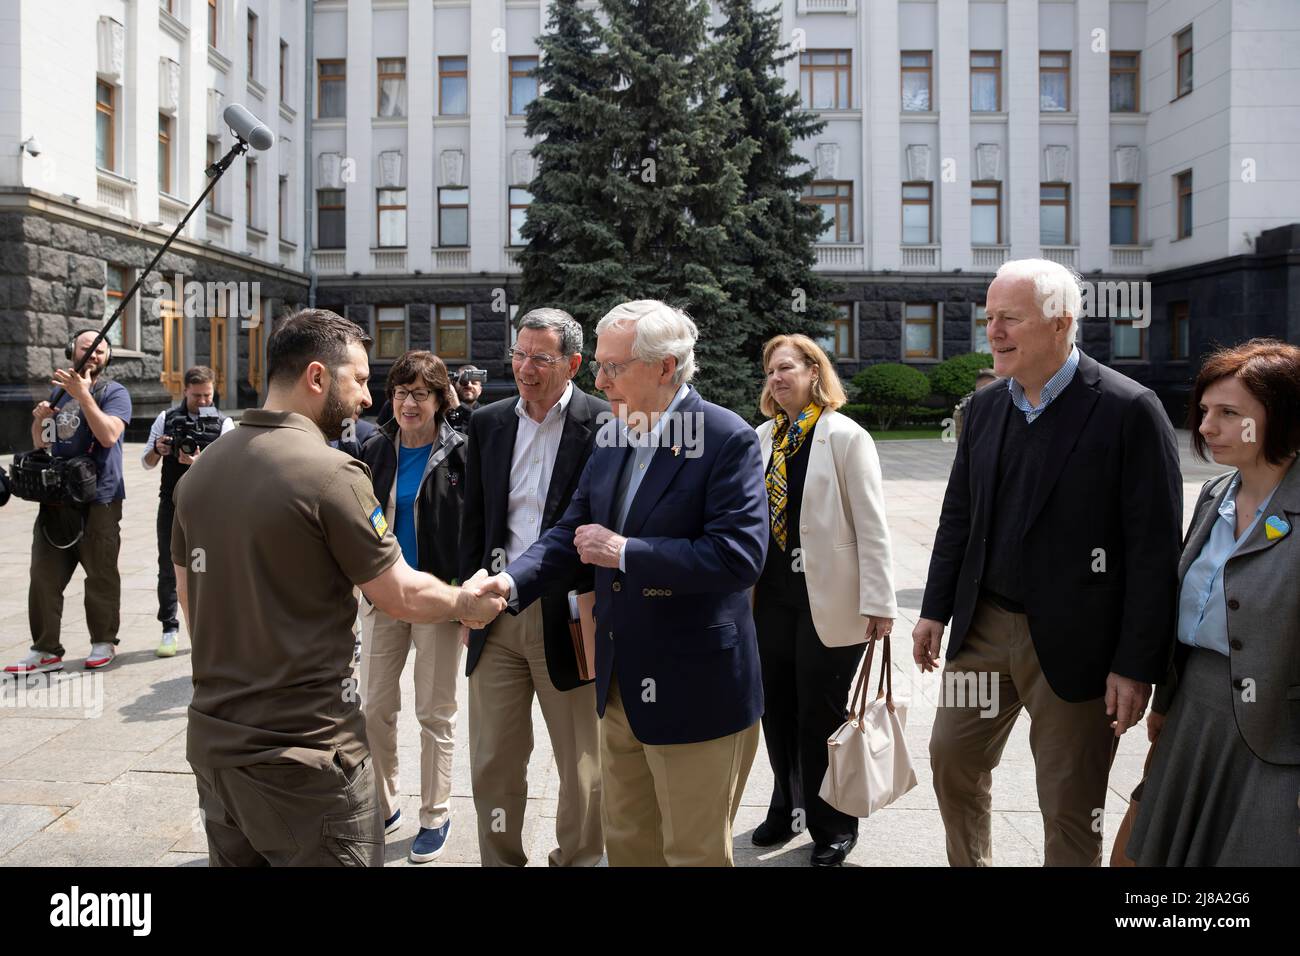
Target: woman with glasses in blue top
pixel 1225 770
pixel 417 464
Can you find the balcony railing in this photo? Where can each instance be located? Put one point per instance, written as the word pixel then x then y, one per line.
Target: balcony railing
pixel 1065 255
pixel 1128 257
pixel 289 257
pixel 988 258
pixel 256 240
pixel 919 257
pixel 218 229
pixel 330 262
pixel 827 6
pixel 115 193
pixel 450 260
pixel 170 211
pixel 388 260
pixel 835 257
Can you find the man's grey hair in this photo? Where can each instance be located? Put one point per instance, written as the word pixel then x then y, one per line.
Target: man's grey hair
pixel 1056 288
pixel 558 321
pixel 661 331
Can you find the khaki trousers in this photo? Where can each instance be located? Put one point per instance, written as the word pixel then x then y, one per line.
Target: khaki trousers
pixel 385 645
pixel 1072 743
pixel 511 669
pixel 670 804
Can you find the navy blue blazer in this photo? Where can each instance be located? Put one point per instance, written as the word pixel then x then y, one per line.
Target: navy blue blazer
pixel 676 628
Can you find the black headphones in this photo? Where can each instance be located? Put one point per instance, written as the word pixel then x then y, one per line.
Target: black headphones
pixel 71 347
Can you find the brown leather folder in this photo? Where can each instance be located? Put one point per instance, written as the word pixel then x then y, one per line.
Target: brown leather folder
pixel 583 632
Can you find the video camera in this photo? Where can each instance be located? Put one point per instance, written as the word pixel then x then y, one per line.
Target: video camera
pixel 188 435
pixel 470 374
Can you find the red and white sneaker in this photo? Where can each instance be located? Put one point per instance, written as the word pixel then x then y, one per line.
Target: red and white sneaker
pixel 36 662
pixel 101 655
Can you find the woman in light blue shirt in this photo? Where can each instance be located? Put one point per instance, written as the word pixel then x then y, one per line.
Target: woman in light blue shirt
pixel 1225 767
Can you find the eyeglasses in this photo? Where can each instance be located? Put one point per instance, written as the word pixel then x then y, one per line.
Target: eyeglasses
pixel 539 358
pixel 611 369
pixel 421 395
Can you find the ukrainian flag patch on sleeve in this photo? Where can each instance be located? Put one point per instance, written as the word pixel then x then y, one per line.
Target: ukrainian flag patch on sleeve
pixel 378 521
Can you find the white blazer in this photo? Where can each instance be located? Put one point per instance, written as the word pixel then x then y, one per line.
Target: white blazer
pixel 843 535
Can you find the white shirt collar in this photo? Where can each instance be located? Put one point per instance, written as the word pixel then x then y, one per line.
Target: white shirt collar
pixel 555 411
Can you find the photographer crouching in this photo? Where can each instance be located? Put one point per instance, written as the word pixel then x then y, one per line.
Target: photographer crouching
pixel 177 438
pixel 85 423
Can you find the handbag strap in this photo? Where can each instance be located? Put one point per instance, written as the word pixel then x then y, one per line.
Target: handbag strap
pixel 858 705
pixel 886 677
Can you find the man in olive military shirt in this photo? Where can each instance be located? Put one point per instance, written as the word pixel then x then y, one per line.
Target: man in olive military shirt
pixel 273 529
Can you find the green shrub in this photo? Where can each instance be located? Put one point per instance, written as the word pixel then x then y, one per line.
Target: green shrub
pixel 888 390
pixel 915 416
pixel 955 377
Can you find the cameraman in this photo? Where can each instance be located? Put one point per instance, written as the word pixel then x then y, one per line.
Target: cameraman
pixel 204 429
pixel 468 386
pixel 88 419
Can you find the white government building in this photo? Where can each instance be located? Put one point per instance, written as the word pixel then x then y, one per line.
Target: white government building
pixel 1137 139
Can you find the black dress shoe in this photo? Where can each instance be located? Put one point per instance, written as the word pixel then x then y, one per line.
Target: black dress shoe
pixel 832 854
pixel 768 833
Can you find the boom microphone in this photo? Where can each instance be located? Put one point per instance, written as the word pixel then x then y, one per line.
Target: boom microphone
pixel 248 127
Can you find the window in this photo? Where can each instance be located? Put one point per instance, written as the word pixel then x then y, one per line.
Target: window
pixel 520 199
pixel 250 192
pixel 1054 214
pixel 116 282
pixel 218 325
pixel 1124 84
pixel 392 87
pixel 392 217
pixel 390 331
pixel 836 202
pixel 173 354
pixel 916 213
pixel 451 334
pixel 920 331
pixel 1183 189
pixel 169 6
pixel 1127 341
pixel 282 208
pixel 252 44
pixel 986 213
pixel 1183 72
pixel 212 157
pixel 164 153
pixel 256 347
pixel 105 121
pixel 1179 343
pixel 284 72
pixel 331 88
pixel 1123 215
pixel 1053 82
pixel 824 79
pixel 330 219
pixel 839 343
pixel 985 81
pixel 453 85
pixel 979 337
pixel 915 80
pixel 523 84
pixel 212 23
pixel 453 216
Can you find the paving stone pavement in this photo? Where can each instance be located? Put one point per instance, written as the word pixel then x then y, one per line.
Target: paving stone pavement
pixel 104 781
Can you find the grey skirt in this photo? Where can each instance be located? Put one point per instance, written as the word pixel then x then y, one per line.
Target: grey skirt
pixel 1208 800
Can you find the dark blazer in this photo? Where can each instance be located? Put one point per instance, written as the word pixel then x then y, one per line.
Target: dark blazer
pixel 1111 482
pixel 492 430
pixel 1260 584
pixel 677 625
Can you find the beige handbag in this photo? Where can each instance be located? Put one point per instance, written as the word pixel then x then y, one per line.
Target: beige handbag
pixel 868 765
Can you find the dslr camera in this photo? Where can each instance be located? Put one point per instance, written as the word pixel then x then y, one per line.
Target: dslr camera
pixel 469 374
pixel 188 434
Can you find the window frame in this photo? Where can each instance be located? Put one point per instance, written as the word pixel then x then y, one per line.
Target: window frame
pixel 1135 71
pixel 995 70
pixel 1127 203
pixel 838 201
pixel 380 209
pixel 1055 202
pixel 380 325
pixel 1183 230
pixel 108 109
pixel 996 203
pixel 341 207
pixel 928 203
pixel 1179 53
pixel 1044 70
pixel 214 25
pixel 438 323
pixel 807 68
pixel 449 206
pixel 284 70
pixel 846 320
pixel 933 322
pixel 282 207
pixel 1180 314
pixel 256 359
pixel 511 206
pixel 211 150
pixel 165 154
pixel 252 45
pixel 112 298
pixel 515 74
pixel 979 328
pixel 380 76
pixel 928 70
pixel 445 74
pixel 1143 345
pixel 322 79
pixel 250 192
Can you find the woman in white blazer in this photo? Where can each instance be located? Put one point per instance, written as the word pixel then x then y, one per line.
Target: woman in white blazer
pixel 827 586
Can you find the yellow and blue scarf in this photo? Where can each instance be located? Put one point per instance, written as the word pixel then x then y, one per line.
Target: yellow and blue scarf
pixel 787 437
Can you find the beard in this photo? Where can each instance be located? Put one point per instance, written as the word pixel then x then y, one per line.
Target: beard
pixel 334 414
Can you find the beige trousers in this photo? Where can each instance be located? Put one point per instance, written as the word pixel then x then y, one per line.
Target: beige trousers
pixel 511 669
pixel 1072 743
pixel 385 645
pixel 670 804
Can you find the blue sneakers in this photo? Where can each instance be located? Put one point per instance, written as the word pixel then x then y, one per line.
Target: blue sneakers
pixel 429 843
pixel 393 822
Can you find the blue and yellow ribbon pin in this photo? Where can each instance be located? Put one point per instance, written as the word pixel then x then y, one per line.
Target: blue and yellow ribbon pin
pixel 1275 527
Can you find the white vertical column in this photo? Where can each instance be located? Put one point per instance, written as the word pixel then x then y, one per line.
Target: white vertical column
pixel 485 164
pixel 192 119
pixel 360 108
pixel 1090 197
pixel 141 120
pixel 419 163
pixel 1023 159
pixel 953 57
pixel 235 46
pixel 883 190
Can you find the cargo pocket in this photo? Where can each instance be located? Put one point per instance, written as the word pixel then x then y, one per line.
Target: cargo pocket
pixel 350 838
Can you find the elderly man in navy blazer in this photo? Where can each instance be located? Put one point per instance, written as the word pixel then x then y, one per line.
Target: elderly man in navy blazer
pixel 672 512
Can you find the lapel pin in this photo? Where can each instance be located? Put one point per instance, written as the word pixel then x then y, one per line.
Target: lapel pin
pixel 1275 527
pixel 676 450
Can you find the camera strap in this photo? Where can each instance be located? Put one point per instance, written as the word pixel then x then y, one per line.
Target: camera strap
pixel 81 513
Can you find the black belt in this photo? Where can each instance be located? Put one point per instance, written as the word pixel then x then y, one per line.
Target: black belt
pixel 1002 601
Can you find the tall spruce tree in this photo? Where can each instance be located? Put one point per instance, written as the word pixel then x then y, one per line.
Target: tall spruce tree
pixel 777 232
